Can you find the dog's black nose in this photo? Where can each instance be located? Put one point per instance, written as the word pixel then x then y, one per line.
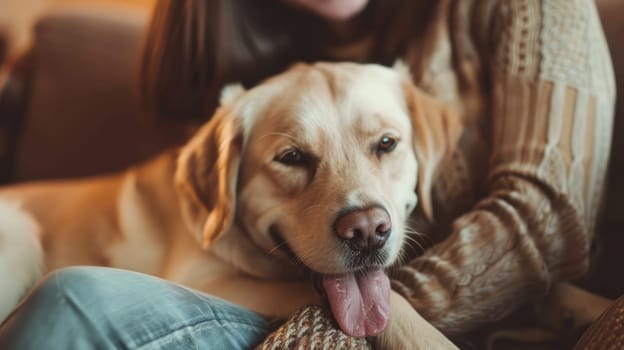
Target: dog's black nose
pixel 364 229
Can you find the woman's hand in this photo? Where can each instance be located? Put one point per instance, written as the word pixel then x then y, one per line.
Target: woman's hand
pixel 408 330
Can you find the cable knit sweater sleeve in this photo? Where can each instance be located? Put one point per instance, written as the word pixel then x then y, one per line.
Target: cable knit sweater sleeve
pixel 551 129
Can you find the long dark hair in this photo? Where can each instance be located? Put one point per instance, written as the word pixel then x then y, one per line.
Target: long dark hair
pixel 194 47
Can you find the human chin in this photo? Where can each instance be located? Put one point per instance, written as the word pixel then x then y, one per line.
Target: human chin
pixel 335 10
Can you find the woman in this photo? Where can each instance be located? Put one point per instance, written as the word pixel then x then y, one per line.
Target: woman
pixel 516 206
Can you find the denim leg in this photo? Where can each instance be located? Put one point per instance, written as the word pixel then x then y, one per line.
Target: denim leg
pixel 102 308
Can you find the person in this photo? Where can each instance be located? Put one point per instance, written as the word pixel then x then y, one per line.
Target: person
pixel 515 207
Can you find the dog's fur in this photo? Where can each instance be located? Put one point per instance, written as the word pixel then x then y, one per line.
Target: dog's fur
pixel 228 190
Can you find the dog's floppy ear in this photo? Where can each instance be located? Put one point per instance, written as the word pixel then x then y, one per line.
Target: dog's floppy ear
pixel 207 171
pixel 436 130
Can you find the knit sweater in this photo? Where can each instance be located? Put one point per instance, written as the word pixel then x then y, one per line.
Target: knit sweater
pixel 516 205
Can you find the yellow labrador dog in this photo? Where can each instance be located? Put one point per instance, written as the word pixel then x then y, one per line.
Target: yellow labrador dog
pixel 312 173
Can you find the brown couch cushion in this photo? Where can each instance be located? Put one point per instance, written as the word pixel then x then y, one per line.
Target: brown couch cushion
pixel 84 117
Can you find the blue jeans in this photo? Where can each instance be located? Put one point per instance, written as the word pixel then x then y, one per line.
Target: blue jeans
pixel 102 308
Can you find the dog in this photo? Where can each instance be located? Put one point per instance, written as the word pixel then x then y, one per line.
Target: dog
pixel 312 174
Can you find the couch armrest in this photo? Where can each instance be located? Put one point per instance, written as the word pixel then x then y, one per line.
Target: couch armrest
pixel 15 80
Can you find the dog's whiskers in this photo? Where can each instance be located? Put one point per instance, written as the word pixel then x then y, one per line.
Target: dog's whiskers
pixel 422 236
pixel 411 230
pixel 277 247
pixel 401 258
pixel 414 241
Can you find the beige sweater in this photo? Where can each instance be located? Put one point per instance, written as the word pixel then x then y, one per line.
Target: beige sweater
pixel 524 188
pixel 516 205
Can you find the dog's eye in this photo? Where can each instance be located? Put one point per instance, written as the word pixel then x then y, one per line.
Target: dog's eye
pixel 292 157
pixel 386 144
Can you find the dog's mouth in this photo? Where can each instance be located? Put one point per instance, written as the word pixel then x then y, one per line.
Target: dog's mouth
pixel 359 299
pixel 282 245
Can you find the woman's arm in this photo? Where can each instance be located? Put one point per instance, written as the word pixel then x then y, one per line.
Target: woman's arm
pixel 551 131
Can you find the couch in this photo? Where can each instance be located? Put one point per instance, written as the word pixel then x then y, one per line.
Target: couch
pixel 72 99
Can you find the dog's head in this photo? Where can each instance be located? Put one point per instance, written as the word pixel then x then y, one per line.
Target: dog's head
pixel 325 161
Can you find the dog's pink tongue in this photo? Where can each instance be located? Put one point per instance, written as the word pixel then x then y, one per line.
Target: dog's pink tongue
pixel 360 304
